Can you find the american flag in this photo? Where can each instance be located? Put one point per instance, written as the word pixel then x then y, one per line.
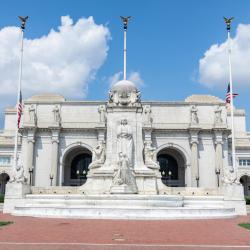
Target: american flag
pixel 20 109
pixel 228 95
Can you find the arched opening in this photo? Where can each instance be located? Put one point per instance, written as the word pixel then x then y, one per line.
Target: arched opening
pixel 4 178
pixel 172 167
pixel 245 181
pixel 76 166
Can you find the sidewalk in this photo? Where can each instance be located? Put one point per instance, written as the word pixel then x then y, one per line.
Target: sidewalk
pixel 113 234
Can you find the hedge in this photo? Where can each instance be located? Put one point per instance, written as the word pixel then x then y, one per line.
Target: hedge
pixel 247 200
pixel 1 198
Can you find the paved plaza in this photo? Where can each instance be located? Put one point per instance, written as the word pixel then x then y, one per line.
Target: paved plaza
pixel 36 233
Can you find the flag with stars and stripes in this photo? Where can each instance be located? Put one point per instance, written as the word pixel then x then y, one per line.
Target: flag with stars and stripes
pixel 20 109
pixel 228 95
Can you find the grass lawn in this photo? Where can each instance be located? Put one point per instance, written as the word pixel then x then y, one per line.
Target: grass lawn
pixel 5 223
pixel 245 225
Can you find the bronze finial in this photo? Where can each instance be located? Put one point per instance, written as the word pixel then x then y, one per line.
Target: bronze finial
pixel 228 22
pixel 23 21
pixel 125 21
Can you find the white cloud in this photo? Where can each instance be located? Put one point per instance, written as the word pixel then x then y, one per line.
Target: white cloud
pixel 62 61
pixel 213 67
pixel 133 76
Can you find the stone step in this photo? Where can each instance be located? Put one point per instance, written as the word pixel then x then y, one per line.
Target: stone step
pixel 124 213
pixel 204 201
pixel 127 200
pixel 104 197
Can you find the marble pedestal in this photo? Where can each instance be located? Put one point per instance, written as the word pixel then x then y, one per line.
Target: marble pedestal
pixel 234 197
pixel 15 195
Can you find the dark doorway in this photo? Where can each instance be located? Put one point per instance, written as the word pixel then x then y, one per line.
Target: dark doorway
pixel 4 178
pixel 245 181
pixel 168 169
pixel 79 168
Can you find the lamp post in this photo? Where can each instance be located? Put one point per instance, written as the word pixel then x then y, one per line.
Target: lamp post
pixel 169 174
pixel 197 180
pixel 31 173
pixel 78 176
pixel 51 176
pixel 217 171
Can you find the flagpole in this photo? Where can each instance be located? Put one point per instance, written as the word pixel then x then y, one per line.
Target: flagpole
pixel 125 55
pixel 125 26
pixel 22 28
pixel 228 23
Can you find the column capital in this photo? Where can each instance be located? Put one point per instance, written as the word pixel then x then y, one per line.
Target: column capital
pixel 30 140
pixel 194 137
pixel 54 140
pixel 218 137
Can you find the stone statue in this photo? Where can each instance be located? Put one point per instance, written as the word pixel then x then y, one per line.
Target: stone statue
pixel 230 177
pixel 102 112
pixel 217 115
pixel 32 114
pixel 18 175
pixel 99 155
pixel 57 116
pixel 147 112
pixel 125 140
pixel 150 156
pixel 194 116
pixel 123 174
pixel 134 98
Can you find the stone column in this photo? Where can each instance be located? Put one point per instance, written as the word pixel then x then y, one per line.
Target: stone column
pixel 54 155
pixel 194 159
pixel 188 177
pixel 218 156
pixel 30 151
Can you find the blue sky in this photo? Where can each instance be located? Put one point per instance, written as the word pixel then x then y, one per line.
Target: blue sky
pixel 166 40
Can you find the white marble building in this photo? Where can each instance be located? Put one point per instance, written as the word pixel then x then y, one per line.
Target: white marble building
pixel 185 143
pixel 172 152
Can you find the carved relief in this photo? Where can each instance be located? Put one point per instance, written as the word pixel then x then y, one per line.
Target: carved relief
pixel 124 98
pixel 99 155
pixel 150 156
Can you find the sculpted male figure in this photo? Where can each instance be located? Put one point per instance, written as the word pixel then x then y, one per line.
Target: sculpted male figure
pixel 102 110
pixel 57 117
pixel 32 114
pixel 98 155
pixel 150 156
pixel 218 118
pixel 125 140
pixel 194 115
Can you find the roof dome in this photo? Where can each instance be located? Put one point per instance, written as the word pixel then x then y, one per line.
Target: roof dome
pixel 124 86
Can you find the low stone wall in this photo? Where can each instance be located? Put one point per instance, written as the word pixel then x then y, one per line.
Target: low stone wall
pixel 184 191
pixel 55 190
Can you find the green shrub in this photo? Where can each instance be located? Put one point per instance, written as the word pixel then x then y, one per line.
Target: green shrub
pixel 5 223
pixel 247 200
pixel 1 198
pixel 245 225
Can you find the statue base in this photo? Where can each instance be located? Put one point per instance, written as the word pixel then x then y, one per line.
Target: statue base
pixel 234 197
pixel 15 195
pixel 123 189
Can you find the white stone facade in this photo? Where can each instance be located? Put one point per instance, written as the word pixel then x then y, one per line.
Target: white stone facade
pixel 194 132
